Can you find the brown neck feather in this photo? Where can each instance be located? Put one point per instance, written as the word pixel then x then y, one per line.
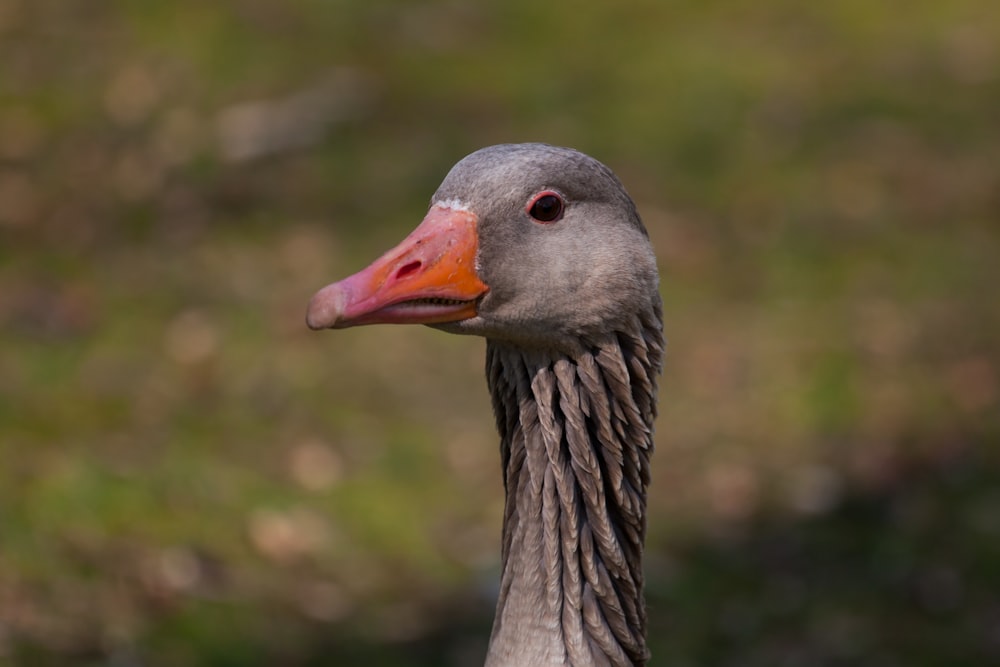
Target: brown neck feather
pixel 576 437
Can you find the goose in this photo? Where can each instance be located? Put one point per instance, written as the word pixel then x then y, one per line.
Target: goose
pixel 540 250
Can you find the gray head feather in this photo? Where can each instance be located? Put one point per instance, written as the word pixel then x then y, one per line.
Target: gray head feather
pixel 551 285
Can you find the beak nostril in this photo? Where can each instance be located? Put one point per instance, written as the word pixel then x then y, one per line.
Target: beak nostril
pixel 407 269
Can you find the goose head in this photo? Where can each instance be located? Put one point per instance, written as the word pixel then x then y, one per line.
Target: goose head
pixel 532 244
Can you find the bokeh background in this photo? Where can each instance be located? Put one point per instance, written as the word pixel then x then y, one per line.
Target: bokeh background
pixel 189 476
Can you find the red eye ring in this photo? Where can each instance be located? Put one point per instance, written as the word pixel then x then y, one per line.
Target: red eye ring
pixel 546 206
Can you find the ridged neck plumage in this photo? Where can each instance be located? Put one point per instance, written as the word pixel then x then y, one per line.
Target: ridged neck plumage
pixel 576 438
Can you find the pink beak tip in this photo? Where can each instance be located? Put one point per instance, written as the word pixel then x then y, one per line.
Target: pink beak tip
pixel 326 307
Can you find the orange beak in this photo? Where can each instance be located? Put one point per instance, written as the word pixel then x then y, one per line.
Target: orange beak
pixel 429 278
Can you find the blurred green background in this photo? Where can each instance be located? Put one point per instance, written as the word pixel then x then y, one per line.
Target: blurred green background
pixel 189 476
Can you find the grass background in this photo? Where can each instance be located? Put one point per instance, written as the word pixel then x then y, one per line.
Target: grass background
pixel 188 476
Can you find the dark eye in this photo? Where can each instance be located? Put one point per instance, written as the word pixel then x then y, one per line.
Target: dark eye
pixel 546 207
